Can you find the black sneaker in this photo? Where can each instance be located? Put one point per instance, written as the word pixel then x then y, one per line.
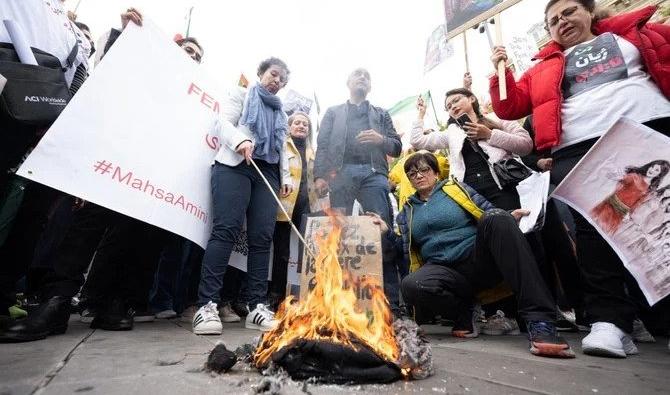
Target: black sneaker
pixel 114 317
pixel 544 341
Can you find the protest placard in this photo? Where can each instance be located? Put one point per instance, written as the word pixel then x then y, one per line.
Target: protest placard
pixel 464 14
pixel 294 101
pixel 522 48
pixel 360 253
pixel 622 187
pixel 138 137
pixel 437 49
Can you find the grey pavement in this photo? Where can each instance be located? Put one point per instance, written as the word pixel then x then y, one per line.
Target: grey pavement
pixel 164 357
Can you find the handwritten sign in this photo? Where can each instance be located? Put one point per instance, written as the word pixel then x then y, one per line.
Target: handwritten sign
pixel 359 253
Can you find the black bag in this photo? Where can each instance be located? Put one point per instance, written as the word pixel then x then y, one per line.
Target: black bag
pixel 34 95
pixel 510 172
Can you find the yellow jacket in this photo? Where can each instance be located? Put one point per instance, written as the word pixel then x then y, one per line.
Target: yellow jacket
pixel 295 170
pixel 404 188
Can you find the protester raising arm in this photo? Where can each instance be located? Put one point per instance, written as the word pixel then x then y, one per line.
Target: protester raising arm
pixel 571 112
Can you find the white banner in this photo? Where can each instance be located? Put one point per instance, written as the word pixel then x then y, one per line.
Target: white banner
pixel 137 137
pixel 622 187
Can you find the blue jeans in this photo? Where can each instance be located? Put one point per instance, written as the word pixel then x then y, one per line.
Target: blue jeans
pixel 371 189
pixel 237 193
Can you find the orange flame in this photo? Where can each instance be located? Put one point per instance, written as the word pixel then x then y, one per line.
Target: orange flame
pixel 328 312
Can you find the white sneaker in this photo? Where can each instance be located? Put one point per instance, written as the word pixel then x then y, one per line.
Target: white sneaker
pixel 640 333
pixel 261 318
pixel 206 321
pixel 607 340
pixel 166 314
pixel 227 314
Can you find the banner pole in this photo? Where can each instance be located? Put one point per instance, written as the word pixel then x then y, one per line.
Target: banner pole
pixel 502 79
pixel 465 49
pixel 281 206
pixel 432 103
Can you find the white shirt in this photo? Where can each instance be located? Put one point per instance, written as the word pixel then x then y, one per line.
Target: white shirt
pixel 605 80
pixel 46 27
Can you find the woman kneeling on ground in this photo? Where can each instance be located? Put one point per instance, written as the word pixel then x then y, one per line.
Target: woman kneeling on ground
pixel 458 239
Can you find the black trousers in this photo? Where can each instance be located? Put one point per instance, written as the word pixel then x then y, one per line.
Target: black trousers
pixel 500 253
pixel 608 286
pixel 127 241
pixel 124 265
pixel 16 254
pixel 282 243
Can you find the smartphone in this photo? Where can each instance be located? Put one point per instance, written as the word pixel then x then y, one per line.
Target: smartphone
pixel 463 119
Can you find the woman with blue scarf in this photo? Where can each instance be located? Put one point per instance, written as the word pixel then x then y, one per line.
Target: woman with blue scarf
pixel 253 129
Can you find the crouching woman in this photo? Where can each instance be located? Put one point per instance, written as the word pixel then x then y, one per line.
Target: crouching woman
pixel 457 244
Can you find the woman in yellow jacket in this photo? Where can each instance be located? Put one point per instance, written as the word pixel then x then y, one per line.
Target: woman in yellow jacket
pixel 300 156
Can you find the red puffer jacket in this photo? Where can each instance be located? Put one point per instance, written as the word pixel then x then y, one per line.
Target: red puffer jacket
pixel 539 89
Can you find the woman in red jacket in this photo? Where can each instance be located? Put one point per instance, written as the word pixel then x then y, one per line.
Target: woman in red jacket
pixel 591 74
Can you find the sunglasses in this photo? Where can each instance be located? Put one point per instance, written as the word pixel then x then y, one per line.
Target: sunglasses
pixel 566 13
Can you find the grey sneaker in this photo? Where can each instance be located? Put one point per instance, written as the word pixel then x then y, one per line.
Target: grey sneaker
pixel 227 314
pixel 640 333
pixel 166 314
pixel 499 325
pixel 187 314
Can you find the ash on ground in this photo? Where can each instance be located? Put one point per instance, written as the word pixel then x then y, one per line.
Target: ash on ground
pixel 415 352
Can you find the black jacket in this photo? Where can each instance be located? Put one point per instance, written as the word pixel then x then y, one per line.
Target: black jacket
pixel 332 141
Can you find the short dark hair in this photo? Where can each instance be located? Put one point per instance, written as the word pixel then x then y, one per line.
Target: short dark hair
pixel 191 40
pixel 272 61
pixel 82 26
pixel 420 157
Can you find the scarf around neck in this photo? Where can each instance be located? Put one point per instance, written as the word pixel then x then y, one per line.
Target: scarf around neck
pixel 267 121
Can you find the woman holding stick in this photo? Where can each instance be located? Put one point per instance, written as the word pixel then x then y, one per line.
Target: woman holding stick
pixel 252 132
pixel 594 72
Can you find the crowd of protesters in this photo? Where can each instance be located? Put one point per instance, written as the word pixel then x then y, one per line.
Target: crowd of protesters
pixel 452 250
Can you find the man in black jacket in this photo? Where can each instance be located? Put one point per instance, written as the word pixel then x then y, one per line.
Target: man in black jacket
pixel 353 143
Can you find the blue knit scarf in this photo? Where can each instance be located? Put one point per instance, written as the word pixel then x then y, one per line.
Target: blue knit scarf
pixel 265 118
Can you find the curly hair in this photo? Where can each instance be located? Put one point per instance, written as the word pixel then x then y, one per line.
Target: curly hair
pixel 272 61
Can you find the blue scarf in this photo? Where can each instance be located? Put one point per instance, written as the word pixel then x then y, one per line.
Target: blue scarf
pixel 265 118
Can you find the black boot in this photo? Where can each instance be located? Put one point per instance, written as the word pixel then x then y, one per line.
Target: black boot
pixel 114 317
pixel 49 318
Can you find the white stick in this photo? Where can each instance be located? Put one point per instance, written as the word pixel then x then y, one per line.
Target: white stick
pixel 502 79
pixel 281 206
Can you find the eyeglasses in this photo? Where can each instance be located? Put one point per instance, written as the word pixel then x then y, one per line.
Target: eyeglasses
pixel 566 13
pixel 193 53
pixel 453 101
pixel 424 171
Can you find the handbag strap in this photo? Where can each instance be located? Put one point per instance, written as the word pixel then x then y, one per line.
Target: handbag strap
pixel 69 61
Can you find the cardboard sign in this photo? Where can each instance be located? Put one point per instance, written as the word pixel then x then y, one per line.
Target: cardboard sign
pixel 360 253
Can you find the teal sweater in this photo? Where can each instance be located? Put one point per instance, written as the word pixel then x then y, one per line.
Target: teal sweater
pixel 441 230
